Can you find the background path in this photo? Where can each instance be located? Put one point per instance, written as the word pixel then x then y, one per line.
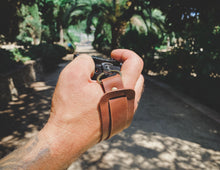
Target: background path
pixel 166 132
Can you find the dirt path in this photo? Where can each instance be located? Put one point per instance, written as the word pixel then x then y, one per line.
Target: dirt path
pixel 166 133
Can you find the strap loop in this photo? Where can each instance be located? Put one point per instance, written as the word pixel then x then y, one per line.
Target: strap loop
pixel 106 73
pixel 116 107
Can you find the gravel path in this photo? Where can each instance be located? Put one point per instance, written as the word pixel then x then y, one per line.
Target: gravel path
pixel 166 133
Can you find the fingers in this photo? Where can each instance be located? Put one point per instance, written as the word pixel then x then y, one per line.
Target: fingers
pixel 81 68
pixel 131 71
pixel 139 87
pixel 131 68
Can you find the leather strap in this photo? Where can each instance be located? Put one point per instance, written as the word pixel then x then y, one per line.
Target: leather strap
pixel 116 107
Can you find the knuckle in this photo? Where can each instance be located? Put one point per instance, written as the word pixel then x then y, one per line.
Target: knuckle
pixel 141 62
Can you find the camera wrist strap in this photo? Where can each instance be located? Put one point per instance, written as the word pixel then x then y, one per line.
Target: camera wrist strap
pixel 116 107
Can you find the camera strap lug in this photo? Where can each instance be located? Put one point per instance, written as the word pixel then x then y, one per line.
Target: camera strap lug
pixel 108 73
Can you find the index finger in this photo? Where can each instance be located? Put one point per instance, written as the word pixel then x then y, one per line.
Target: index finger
pixel 131 68
pixel 80 69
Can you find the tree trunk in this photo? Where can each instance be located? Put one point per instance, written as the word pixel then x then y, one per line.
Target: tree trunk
pixel 118 29
pixel 61 35
pixel 114 43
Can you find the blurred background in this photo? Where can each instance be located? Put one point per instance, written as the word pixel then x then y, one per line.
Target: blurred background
pixel 178 40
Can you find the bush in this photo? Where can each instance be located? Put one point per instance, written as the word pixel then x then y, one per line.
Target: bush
pixel 196 74
pixel 20 55
pixel 49 54
pixel 182 63
pixel 7 62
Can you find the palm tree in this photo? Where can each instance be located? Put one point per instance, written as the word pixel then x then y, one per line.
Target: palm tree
pixel 69 13
pixel 118 15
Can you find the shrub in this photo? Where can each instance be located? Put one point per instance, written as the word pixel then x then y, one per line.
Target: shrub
pixel 20 55
pixel 50 55
pixel 196 74
pixel 7 62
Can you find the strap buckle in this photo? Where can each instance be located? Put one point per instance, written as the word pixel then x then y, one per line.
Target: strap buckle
pixel 107 74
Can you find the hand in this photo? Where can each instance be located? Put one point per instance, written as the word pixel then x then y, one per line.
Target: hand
pixel 74 123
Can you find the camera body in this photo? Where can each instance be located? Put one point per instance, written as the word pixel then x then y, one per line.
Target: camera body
pixel 106 67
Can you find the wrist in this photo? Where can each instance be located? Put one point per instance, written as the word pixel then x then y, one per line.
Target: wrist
pixel 68 140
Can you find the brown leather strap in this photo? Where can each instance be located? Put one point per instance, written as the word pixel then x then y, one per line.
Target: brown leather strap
pixel 116 107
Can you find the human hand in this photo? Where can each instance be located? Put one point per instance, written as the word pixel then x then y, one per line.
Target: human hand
pixel 74 123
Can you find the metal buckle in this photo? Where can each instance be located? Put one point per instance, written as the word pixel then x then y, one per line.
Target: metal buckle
pixel 104 73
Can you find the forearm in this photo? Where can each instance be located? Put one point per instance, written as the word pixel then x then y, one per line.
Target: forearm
pixel 52 148
pixel 33 153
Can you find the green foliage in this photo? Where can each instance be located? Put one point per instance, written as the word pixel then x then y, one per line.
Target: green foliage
pixel 49 29
pixel 20 55
pixel 144 44
pixel 102 41
pixel 36 21
pixel 68 13
pixel 195 27
pixel 194 74
pixel 193 62
pixel 49 54
pixel 112 19
pixel 141 43
pixel 7 62
pixel 30 28
pixel 9 19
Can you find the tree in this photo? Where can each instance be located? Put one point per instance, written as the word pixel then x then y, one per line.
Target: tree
pixel 48 21
pixel 36 19
pixel 68 13
pixel 30 27
pixel 9 19
pixel 196 24
pixel 116 15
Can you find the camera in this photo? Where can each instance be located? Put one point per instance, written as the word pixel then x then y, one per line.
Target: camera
pixel 105 68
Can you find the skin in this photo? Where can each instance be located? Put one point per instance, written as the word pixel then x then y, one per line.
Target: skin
pixel 74 123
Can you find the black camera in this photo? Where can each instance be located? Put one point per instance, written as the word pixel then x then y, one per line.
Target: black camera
pixel 105 68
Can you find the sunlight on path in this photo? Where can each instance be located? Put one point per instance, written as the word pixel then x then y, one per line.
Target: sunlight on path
pixel 144 150
pixel 86 48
